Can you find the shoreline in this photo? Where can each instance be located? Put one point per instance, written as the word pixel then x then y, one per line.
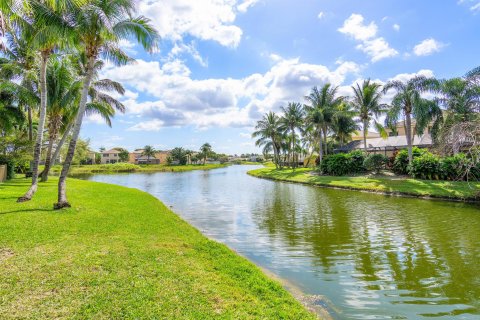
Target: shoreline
pixel 139 243
pixel 263 173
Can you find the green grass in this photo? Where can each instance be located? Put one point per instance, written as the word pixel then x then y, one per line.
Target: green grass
pixel 119 253
pixel 424 188
pixel 128 167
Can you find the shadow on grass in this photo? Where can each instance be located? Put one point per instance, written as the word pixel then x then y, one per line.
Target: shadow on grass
pixel 27 210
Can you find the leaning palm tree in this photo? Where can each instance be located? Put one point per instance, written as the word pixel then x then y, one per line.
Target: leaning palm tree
pixel 149 152
pixel 99 27
pixel 45 28
pixel 292 120
pixel 205 150
pixel 322 107
pixel 268 133
pixel 407 103
pixel 367 105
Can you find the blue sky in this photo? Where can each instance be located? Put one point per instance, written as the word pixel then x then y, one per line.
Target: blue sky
pixel 223 63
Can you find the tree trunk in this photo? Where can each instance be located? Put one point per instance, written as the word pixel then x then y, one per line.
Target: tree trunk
pixel 30 124
pixel 62 192
pixel 294 165
pixel 275 153
pixel 61 143
pixel 41 123
pixel 365 130
pixel 325 140
pixel 55 123
pixel 320 147
pixel 408 133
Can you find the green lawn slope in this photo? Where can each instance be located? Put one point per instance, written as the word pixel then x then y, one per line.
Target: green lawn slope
pixel 455 190
pixel 119 253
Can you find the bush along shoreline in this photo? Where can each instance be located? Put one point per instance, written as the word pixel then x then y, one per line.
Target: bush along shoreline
pixel 454 178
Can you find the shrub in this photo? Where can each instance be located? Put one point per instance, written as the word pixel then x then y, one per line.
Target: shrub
pixel 455 167
pixel 117 167
pixel 4 160
pixel 400 163
pixel 375 162
pixel 343 163
pixel 426 166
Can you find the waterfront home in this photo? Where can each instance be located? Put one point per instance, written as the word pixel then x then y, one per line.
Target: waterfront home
pixel 137 157
pixel 110 156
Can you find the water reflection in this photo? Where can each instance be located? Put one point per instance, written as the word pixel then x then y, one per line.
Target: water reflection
pixel 372 256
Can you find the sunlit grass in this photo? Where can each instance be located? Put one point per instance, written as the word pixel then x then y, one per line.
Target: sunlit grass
pixel 119 253
pixel 414 187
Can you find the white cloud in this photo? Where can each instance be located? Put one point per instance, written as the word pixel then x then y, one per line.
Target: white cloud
pixel 396 27
pixel 321 14
pixel 377 48
pixel 427 47
pixel 355 27
pixel 474 5
pixel 178 100
pixel 203 19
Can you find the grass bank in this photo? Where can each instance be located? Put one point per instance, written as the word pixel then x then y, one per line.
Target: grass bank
pixel 128 167
pixel 455 190
pixel 119 253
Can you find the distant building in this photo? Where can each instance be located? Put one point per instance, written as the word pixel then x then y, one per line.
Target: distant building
pixel 395 141
pixel 137 157
pixel 110 156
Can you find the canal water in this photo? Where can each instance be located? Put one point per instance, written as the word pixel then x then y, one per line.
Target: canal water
pixel 365 256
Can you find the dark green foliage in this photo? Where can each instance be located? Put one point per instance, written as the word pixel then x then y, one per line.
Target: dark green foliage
pixel 5 160
pixel 179 155
pixel 341 164
pixel 375 162
pixel 426 166
pixel 455 167
pixel 400 163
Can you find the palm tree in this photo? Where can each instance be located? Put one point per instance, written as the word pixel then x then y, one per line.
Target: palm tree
pixel 367 106
pixel 99 27
pixel 344 124
pixel 205 150
pixel 64 94
pixel 408 102
pixel 268 133
pixel 292 119
pixel 320 113
pixel 149 151
pixel 44 28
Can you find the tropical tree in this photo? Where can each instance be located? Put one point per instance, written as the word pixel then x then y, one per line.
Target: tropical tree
pixel 123 155
pixel 408 102
pixel 367 105
pixel 149 152
pixel 344 125
pixel 44 27
pixel 99 27
pixel 206 151
pixel 179 154
pixel 268 134
pixel 292 120
pixel 323 104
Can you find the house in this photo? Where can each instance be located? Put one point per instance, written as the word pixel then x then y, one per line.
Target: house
pixel 395 141
pixel 358 135
pixel 137 157
pixel 110 156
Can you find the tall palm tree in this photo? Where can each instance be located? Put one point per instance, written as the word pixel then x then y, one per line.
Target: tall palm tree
pixel 45 28
pixel 205 150
pixel 64 88
pixel 291 120
pixel 408 102
pixel 367 105
pixel 344 124
pixel 99 27
pixel 268 133
pixel 149 152
pixel 323 104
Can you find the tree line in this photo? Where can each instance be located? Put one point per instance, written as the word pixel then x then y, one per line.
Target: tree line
pixel 50 63
pixel 327 120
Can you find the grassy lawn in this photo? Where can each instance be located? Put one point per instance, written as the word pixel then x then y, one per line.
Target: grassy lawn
pixel 127 167
pixel 119 253
pixel 414 187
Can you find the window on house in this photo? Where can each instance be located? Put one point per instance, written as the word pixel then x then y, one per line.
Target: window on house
pixel 105 155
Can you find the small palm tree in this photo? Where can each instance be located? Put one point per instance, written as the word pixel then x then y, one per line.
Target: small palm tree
pixel 367 105
pixel 408 102
pixel 206 151
pixel 322 107
pixel 344 125
pixel 292 119
pixel 99 26
pixel 268 133
pixel 149 152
